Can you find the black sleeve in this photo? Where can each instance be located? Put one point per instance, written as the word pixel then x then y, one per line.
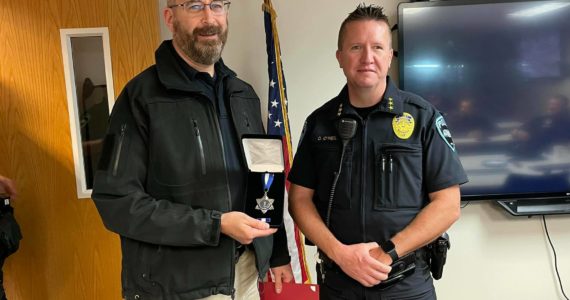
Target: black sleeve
pixel 441 164
pixel 280 255
pixel 119 188
pixel 303 170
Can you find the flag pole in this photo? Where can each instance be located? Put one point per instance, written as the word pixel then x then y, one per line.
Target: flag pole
pixel 267 7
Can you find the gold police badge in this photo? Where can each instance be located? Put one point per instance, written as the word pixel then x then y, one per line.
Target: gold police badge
pixel 403 125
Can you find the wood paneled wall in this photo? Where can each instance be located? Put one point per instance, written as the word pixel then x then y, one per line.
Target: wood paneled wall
pixel 66 252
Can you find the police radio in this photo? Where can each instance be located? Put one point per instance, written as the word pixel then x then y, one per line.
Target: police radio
pixel 346 128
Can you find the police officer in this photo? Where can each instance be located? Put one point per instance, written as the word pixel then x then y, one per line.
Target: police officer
pixel 398 186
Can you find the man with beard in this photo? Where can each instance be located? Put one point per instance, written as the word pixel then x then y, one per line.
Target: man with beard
pixel 171 177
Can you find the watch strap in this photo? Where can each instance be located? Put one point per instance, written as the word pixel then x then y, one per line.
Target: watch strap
pixel 390 249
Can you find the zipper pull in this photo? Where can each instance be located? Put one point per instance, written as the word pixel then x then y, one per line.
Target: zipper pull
pixel 119 149
pixel 246 120
pixel 196 129
pixel 391 164
pixel 383 163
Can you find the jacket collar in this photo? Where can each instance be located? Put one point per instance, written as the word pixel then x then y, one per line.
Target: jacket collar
pixel 391 102
pixel 171 73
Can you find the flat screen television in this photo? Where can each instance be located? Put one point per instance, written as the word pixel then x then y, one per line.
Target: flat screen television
pixel 499 71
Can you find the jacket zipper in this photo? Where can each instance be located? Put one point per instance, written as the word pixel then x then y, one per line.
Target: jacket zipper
pixel 246 121
pixel 119 148
pixel 221 140
pixel 200 146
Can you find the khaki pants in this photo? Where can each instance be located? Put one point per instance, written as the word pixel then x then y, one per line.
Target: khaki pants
pixel 245 279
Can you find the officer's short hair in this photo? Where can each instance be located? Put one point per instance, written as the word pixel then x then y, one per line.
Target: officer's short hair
pixel 362 13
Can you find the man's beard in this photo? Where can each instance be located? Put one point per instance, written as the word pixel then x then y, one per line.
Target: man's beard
pixel 203 52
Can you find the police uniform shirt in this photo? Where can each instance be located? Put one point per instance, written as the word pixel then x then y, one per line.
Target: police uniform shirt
pixel 407 153
pixel 402 151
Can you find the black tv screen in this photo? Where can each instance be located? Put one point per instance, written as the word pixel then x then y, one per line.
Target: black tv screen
pixel 500 73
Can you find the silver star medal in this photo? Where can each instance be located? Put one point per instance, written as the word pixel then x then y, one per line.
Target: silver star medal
pixel 264 203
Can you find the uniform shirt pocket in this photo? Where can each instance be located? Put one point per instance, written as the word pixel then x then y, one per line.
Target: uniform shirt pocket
pixel 397 176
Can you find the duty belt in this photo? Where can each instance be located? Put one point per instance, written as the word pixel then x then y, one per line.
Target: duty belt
pixel 421 255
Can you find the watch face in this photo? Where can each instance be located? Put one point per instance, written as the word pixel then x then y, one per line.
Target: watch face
pixel 387 246
pixel 390 249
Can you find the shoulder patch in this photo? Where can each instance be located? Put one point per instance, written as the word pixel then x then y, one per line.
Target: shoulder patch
pixel 444 132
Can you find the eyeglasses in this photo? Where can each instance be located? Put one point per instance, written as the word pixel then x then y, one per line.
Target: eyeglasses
pixel 195 7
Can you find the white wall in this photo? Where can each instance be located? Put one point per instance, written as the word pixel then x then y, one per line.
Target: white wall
pixel 493 255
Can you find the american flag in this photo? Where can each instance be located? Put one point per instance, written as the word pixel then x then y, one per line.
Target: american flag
pixel 278 124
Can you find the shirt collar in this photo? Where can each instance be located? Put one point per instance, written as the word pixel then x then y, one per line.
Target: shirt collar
pixel 193 74
pixel 391 101
pixel 175 73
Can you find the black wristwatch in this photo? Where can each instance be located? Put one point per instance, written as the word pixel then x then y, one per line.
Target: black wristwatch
pixel 390 249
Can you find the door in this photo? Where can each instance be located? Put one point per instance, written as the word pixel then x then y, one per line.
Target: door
pixel 66 252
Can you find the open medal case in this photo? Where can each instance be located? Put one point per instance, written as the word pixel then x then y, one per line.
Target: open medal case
pixel 265 178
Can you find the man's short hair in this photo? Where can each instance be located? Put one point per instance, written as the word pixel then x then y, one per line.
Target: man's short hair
pixel 362 13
